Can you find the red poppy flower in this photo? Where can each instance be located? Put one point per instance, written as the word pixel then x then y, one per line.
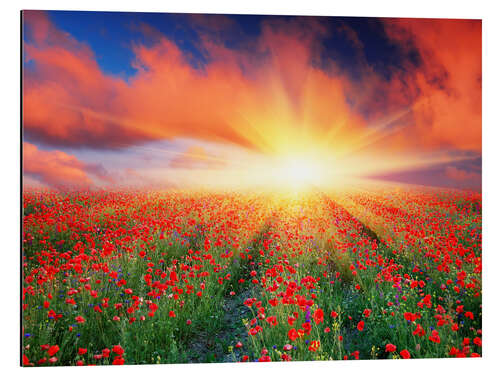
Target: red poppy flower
pixel 118 361
pixel 41 361
pixel 105 353
pixel 405 354
pixel 469 315
pixel 318 316
pixel 419 331
pixel 434 337
pixel 117 349
pixel 390 348
pixel 410 316
pixel 307 327
pixel 361 325
pixel 53 350
pixel 26 361
pixel 272 320
pixel 314 346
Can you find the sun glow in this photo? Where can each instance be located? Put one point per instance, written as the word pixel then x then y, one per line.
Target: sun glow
pixel 300 172
pixel 298 168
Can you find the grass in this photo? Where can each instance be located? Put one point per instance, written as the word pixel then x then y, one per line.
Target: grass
pixel 206 256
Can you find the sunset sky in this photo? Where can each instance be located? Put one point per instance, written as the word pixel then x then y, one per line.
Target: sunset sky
pixel 180 100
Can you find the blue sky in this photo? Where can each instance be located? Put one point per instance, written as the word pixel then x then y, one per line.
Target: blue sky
pixel 111 34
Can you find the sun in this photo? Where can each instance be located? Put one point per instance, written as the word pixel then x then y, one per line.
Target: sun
pixel 300 172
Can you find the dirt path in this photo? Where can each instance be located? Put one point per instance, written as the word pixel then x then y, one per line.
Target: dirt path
pixel 216 348
pixel 220 347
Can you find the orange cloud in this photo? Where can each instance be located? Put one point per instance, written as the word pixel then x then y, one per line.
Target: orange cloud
pixel 446 86
pixel 65 89
pixel 59 169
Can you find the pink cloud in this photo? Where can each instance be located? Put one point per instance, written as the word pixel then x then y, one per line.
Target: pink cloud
pixel 58 169
pixel 461 174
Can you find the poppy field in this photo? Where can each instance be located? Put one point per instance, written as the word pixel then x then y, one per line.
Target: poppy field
pixel 148 277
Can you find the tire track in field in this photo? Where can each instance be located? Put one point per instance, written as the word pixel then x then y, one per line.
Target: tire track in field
pixel 350 333
pixel 365 229
pixel 205 348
